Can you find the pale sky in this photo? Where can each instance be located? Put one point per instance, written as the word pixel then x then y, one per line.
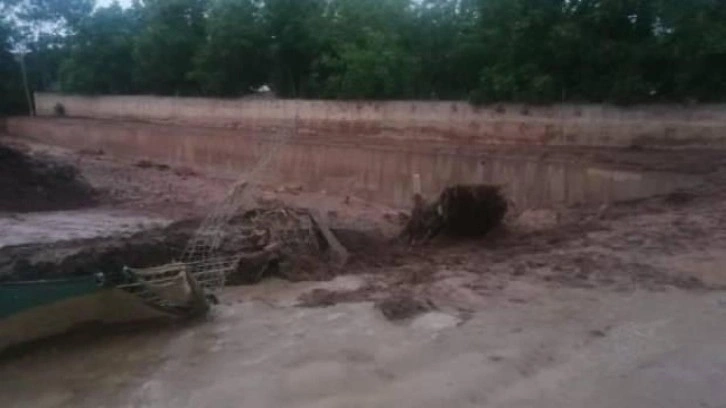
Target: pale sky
pixel 102 3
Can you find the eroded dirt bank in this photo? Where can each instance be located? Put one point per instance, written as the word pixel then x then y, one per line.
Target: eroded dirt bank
pixel 30 184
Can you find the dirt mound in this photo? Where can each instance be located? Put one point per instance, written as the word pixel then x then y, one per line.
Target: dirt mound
pixel 402 306
pixel 472 210
pixel 464 211
pixel 28 184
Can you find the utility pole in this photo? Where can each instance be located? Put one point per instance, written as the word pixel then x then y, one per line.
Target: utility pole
pixel 21 59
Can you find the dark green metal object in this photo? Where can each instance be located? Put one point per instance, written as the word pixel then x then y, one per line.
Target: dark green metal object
pixel 20 296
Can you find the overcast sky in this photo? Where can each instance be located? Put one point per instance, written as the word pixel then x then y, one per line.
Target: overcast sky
pixel 124 3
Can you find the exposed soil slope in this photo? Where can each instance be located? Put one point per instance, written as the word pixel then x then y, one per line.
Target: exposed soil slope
pixel 28 184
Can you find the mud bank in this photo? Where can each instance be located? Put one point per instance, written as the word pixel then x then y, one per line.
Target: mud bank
pixel 28 184
pixel 54 226
pixel 157 246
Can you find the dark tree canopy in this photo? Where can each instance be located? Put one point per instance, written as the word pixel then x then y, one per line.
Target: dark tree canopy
pixel 535 51
pixel 100 57
pixel 11 91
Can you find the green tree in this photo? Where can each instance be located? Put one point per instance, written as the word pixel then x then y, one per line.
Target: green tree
pixel 13 99
pixel 444 40
pixel 170 35
pixel 622 51
pixel 374 67
pixel 367 55
pixel 43 29
pixel 694 35
pixel 613 53
pixel 235 56
pixel 296 30
pixel 101 54
pixel 517 44
pixel 53 16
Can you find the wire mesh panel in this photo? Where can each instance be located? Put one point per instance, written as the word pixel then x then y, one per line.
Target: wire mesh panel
pixel 293 230
pixel 211 272
pixel 167 288
pixel 181 287
pixel 201 252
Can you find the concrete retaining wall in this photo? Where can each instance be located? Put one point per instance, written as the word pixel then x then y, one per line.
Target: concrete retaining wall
pixel 372 149
pixel 450 123
pixel 377 172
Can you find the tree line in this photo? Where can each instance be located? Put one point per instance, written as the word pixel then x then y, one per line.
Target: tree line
pixel 534 51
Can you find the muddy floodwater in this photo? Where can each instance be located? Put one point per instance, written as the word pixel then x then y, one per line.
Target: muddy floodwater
pixel 562 348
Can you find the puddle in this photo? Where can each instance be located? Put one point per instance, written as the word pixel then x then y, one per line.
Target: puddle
pixel 69 225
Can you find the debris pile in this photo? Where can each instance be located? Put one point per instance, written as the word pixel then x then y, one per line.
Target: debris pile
pixel 292 243
pixel 266 241
pixel 296 244
pixel 464 211
pixel 28 184
pixel 403 306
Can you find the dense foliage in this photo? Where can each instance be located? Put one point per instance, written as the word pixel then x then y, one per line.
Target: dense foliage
pixel 541 51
